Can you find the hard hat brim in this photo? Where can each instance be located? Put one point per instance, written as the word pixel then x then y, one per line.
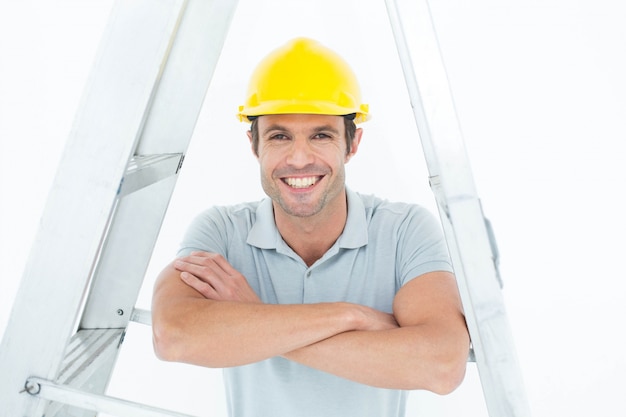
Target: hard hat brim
pixel 295 107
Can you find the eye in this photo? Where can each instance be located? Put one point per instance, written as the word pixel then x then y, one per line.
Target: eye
pixel 322 136
pixel 278 136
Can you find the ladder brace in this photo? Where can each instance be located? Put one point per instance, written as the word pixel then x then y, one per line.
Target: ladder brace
pixel 101 403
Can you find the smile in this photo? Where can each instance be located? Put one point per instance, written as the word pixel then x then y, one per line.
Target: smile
pixel 301 182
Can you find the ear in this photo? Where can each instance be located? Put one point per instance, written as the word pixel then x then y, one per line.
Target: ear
pixel 249 133
pixel 356 141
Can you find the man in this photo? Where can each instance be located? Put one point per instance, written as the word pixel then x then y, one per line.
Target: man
pixel 317 301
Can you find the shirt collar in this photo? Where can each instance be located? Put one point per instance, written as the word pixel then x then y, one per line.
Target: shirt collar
pixel 265 235
pixel 355 233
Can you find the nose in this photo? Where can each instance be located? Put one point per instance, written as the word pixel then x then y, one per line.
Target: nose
pixel 300 153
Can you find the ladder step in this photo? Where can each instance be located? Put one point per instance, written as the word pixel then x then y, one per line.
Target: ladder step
pixel 93 402
pixel 88 349
pixel 145 170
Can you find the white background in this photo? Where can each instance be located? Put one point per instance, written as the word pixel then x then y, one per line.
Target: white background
pixel 540 92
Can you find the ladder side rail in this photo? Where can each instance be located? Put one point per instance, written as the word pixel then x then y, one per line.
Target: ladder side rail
pixel 125 256
pixel 494 347
pixel 146 189
pixel 460 211
pixel 170 122
pixel 118 277
pixel 484 309
pixel 151 176
pixel 184 83
pixel 104 134
pixel 186 77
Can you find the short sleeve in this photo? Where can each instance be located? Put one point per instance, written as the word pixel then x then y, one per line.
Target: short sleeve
pixel 207 232
pixel 421 245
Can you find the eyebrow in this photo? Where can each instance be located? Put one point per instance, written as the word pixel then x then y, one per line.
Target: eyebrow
pixel 317 129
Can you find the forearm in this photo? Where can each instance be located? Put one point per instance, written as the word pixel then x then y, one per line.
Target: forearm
pixel 218 321
pixel 212 333
pixel 205 322
pixel 416 357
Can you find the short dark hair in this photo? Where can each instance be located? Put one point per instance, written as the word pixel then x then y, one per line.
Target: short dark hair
pixel 350 129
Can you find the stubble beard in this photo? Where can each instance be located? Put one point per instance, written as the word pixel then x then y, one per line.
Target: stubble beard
pixel 302 206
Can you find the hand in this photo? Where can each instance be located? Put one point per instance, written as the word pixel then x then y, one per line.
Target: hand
pixel 372 319
pixel 213 277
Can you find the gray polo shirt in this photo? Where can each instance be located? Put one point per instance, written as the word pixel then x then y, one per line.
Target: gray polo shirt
pixel 383 246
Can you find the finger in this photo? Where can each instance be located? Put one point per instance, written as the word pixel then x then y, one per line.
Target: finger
pixel 199 285
pixel 225 265
pixel 215 261
pixel 193 259
pixel 206 258
pixel 197 255
pixel 195 265
pixel 186 264
pixel 201 256
pixel 205 269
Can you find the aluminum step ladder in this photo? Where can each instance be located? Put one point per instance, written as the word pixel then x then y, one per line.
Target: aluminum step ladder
pixel 117 175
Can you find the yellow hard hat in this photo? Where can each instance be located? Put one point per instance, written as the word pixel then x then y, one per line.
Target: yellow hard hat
pixel 303 76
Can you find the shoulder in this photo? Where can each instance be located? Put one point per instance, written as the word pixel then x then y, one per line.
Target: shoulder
pixel 409 233
pixel 407 224
pixel 227 214
pixel 215 228
pixel 379 209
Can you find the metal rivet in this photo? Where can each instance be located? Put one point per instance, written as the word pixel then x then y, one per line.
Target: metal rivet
pixel 31 389
pixel 120 312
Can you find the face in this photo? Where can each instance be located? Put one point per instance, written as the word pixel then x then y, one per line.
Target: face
pixel 302 158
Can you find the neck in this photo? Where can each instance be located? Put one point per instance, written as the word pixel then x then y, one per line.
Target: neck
pixel 310 237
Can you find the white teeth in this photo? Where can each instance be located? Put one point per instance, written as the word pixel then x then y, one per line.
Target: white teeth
pixel 301 182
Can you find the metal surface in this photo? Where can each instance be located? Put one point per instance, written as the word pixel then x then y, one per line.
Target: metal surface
pixel 141 316
pixel 113 185
pixel 144 171
pixel 88 351
pixel 470 243
pixel 118 173
pixel 125 256
pixel 83 195
pixel 40 388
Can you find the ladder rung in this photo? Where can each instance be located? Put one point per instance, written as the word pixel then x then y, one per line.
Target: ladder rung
pixel 93 402
pixel 144 170
pixel 141 316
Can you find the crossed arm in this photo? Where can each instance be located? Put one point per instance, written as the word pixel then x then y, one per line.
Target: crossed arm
pixel 205 313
